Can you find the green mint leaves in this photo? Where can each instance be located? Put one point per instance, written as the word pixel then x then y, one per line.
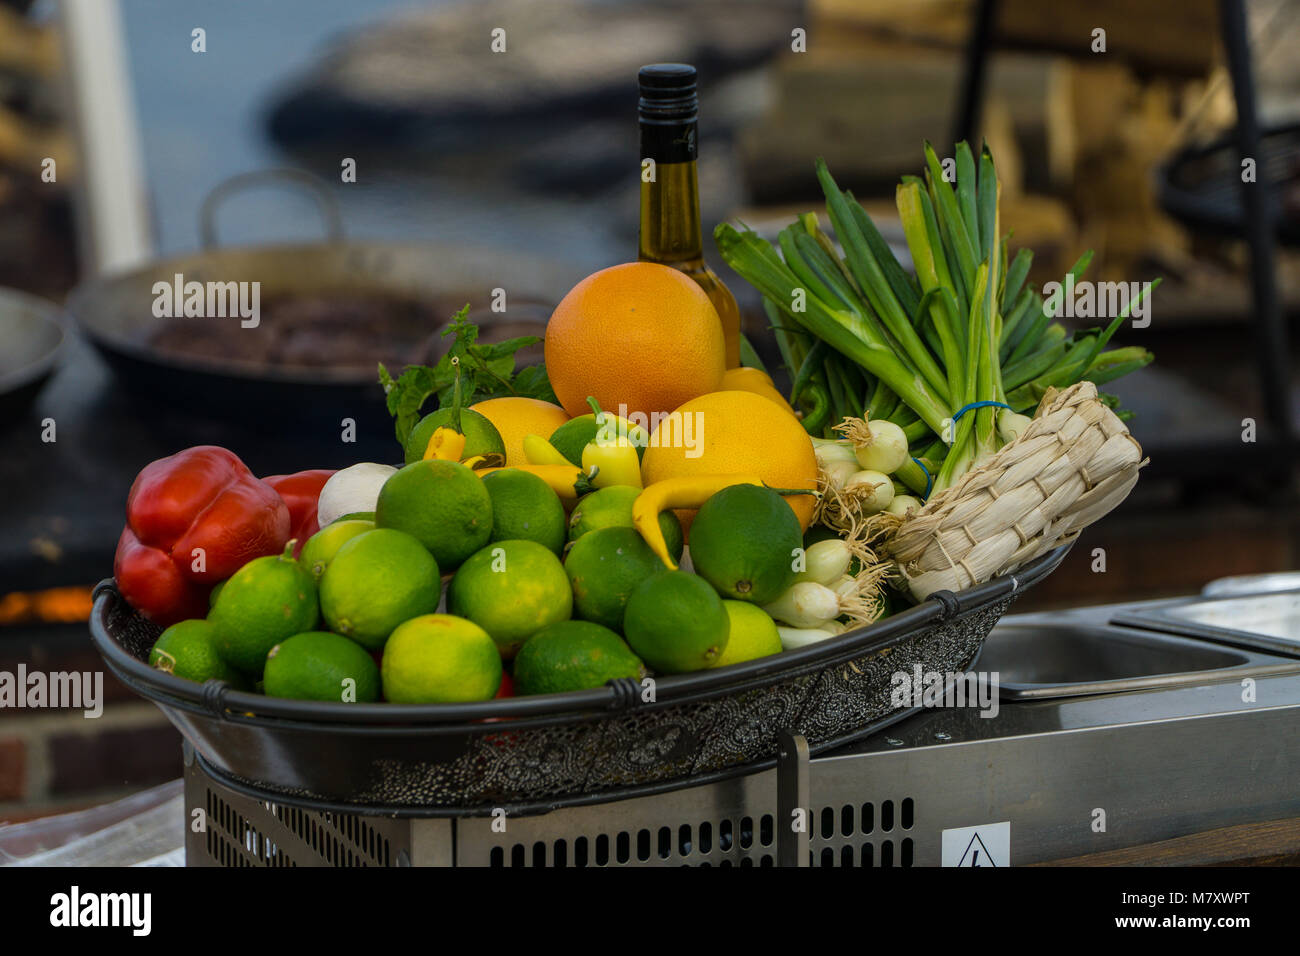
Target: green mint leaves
pixel 487 371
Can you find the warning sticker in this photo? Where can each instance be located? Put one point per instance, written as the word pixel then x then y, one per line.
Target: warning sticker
pixel 988 844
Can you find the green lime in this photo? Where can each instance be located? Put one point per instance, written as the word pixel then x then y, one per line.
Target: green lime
pixel 318 665
pixel 440 659
pixel 265 601
pixel 511 589
pixel 525 507
pixel 356 516
pixel 212 595
pixel 376 581
pixel 577 433
pixel 604 568
pixel 443 504
pixel 744 541
pixel 752 634
pixel 188 650
pixel 321 547
pixel 573 655
pixel 481 436
pixel 676 622
pixel 612 508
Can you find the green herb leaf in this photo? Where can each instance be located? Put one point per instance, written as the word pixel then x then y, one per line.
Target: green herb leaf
pixel 486 370
pixel 506 349
pixel 409 392
pixel 531 382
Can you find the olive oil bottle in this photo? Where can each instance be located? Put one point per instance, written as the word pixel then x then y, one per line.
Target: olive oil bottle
pixel 670 192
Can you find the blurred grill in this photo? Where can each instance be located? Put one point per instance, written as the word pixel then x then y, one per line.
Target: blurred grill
pixel 59 605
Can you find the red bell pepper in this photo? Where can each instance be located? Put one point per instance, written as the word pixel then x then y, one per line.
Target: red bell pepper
pixel 194 519
pixel 153 585
pixel 300 492
pixel 507 688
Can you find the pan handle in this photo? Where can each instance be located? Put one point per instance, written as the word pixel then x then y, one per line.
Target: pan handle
pixel 308 182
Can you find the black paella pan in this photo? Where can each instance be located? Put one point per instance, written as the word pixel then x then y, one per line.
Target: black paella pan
pixel 32 341
pixel 327 312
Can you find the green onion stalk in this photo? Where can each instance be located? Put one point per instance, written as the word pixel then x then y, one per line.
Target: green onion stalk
pixel 955 353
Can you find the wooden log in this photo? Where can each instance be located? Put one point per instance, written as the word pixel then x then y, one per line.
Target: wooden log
pixel 868 110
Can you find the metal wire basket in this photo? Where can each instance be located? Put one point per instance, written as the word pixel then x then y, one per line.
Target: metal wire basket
pixel 533 754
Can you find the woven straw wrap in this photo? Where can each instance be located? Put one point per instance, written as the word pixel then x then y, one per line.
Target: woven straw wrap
pixel 1072 464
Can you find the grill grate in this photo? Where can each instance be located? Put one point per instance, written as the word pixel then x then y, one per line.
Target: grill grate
pixel 728 823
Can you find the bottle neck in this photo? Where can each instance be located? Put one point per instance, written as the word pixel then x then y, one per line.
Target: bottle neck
pixel 670 193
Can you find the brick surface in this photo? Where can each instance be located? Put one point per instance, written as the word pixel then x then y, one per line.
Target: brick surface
pixel 56 648
pixel 135 757
pixel 13 769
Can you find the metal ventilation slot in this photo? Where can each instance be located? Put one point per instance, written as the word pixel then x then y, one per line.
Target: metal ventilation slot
pixel 340 839
pixel 234 841
pixel 722 842
pixel 245 832
pixel 868 834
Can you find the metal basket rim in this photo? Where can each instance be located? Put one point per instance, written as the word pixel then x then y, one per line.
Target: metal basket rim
pixel 216 698
pixel 537 806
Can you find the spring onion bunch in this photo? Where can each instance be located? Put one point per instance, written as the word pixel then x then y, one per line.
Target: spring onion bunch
pixel 956 354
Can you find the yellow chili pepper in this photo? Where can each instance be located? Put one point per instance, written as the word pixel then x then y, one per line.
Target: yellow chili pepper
pixel 567 480
pixel 614 463
pixel 684 492
pixel 539 451
pixel 445 444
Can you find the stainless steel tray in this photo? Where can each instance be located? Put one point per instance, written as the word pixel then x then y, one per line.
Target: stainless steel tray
pixel 1240 584
pixel 1073 654
pixel 1267 622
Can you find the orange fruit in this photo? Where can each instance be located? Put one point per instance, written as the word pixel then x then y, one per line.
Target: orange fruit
pixel 734 433
pixel 638 337
pixel 516 418
pixel 753 380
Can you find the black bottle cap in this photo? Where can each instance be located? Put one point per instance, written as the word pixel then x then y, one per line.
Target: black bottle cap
pixel 667 93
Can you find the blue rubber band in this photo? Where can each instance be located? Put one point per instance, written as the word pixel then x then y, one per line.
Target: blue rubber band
pixel 929 478
pixel 966 408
